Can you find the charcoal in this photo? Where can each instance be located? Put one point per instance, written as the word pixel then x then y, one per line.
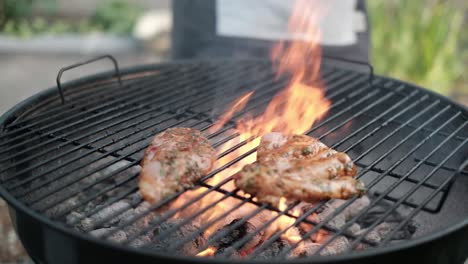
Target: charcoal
pixel 73 218
pixel 110 213
pixel 273 250
pixel 305 249
pixel 232 254
pixel 118 236
pixel 62 206
pixel 377 211
pixel 322 213
pixel 142 241
pixel 142 222
pixel 354 229
pixel 337 246
pixel 231 236
pixel 190 248
pixel 380 231
pixel 353 209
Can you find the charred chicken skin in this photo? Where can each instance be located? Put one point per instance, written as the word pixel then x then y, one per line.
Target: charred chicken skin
pixel 176 159
pixel 298 167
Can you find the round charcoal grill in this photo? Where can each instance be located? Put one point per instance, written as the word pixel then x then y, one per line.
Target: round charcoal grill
pixel 69 167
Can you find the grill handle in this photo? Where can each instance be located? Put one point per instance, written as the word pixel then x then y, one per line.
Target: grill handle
pixel 64 69
pixel 363 63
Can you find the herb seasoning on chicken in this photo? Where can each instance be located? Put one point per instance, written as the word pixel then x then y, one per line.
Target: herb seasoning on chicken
pixel 298 167
pixel 176 159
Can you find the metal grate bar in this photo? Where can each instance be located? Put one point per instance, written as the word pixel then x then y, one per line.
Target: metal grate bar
pixel 238 244
pixel 121 196
pixel 380 177
pixel 463 170
pixel 414 188
pixel 375 119
pixel 172 212
pixel 360 112
pixel 429 130
pixel 245 155
pixel 128 94
pixel 427 200
pixel 109 202
pixel 85 100
pixel 270 241
pixel 353 117
pixel 277 235
pixel 206 93
pixel 95 183
pixel 253 150
pixel 250 107
pixel 397 176
pixel 123 103
pixel 219 235
pixel 85 187
pixel 138 140
pixel 307 221
pixel 208 224
pixel 352 100
pixel 407 108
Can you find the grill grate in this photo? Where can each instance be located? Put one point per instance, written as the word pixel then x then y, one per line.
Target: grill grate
pixel 408 145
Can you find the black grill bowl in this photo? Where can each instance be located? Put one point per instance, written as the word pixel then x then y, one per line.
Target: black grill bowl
pixel 410 145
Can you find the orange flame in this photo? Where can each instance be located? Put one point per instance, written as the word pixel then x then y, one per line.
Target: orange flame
pixel 293 111
pixel 300 104
pixel 207 252
pixel 238 105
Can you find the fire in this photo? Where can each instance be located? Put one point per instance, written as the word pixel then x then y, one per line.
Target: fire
pixel 238 105
pixel 207 252
pixel 293 110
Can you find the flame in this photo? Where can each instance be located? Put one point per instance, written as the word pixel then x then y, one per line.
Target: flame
pixel 293 110
pixel 207 252
pixel 238 105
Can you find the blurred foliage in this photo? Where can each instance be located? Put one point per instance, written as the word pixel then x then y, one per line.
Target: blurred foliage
pixel 14 10
pixel 421 41
pixel 112 16
pixel 116 16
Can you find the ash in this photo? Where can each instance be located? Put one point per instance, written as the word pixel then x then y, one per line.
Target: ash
pixel 112 219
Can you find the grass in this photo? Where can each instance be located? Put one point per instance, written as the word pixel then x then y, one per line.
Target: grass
pixel 111 16
pixel 421 41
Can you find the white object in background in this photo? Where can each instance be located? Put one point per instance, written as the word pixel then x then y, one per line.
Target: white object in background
pixel 268 19
pixel 152 23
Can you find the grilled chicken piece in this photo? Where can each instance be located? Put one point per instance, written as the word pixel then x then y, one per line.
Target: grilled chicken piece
pixel 175 159
pixel 298 167
pixel 274 146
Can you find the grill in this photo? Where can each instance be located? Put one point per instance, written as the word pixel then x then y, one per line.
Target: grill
pixel 69 160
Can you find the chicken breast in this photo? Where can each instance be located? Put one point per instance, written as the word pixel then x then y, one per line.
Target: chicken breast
pixel 275 145
pixel 176 159
pixel 298 167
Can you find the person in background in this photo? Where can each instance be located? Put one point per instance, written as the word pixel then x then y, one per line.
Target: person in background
pixel 246 28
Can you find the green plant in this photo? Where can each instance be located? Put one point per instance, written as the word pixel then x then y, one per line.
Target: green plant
pixel 116 16
pixel 418 40
pixel 13 10
pixel 113 16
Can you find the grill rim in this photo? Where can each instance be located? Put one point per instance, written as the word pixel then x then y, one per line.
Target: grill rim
pixel 28 104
